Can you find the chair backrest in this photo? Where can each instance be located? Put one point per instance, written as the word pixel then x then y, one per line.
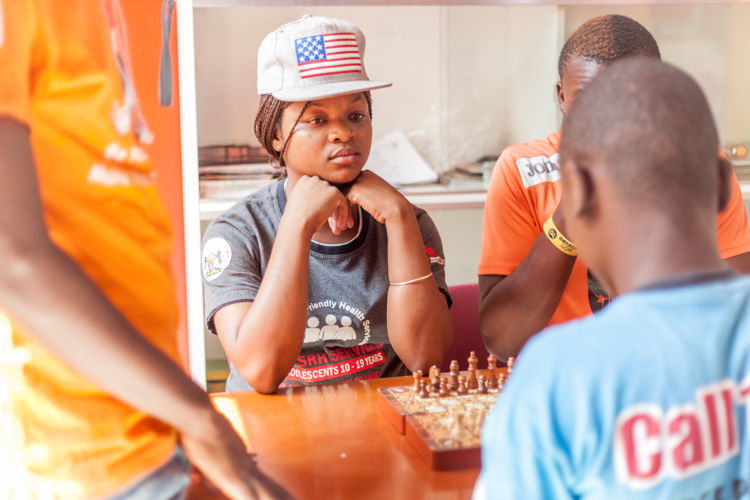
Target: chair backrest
pixel 467 336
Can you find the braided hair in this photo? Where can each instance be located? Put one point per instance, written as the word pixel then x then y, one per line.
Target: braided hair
pixel 268 125
pixel 604 39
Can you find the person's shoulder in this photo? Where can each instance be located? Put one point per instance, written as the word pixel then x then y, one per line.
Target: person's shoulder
pixel 260 202
pixel 259 208
pixel 547 147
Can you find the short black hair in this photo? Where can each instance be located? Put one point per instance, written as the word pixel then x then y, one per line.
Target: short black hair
pixel 649 125
pixel 604 39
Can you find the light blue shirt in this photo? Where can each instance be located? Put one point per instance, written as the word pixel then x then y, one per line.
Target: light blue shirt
pixel 647 399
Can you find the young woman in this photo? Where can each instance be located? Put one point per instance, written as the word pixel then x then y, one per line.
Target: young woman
pixel 330 274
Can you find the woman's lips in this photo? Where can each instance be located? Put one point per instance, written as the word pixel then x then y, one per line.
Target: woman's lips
pixel 345 156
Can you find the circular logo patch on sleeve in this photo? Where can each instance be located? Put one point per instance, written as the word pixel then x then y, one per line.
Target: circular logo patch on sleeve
pixel 216 257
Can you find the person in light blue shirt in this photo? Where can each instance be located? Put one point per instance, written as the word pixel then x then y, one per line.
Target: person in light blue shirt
pixel 649 398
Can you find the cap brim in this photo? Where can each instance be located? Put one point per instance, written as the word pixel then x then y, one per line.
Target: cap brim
pixel 328 90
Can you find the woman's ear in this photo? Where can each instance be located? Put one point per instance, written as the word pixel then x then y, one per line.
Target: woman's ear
pixel 277 144
pixel 725 181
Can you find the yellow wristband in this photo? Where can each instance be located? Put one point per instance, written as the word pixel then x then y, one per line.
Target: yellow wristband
pixel 556 238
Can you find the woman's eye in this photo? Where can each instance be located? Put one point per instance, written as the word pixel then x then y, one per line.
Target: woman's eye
pixel 315 121
pixel 357 117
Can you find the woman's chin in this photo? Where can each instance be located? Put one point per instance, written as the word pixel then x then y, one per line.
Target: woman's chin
pixel 342 176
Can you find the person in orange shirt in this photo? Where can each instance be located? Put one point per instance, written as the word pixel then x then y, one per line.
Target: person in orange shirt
pixel 86 293
pixel 526 282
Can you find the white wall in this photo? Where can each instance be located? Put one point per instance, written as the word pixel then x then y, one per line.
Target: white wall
pixel 461 75
pixel 710 42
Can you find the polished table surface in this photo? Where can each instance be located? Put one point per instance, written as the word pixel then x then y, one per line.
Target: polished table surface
pixel 331 442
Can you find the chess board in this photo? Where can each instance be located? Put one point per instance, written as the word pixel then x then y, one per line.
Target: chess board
pixel 428 424
pixel 444 426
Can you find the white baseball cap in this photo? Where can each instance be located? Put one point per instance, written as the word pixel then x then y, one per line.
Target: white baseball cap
pixel 313 58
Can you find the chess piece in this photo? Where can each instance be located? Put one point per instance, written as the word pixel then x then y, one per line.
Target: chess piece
pixel 482 385
pixel 491 372
pixel 417 377
pixel 473 360
pixel 462 389
pixel 500 381
pixel 454 367
pixel 423 389
pixel 452 381
pixel 471 379
pixel 435 376
pixel 511 362
pixel 443 389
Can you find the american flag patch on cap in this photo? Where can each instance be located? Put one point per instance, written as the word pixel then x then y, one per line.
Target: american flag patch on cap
pixel 328 54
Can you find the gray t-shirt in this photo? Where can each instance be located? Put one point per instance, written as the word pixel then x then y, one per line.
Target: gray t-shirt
pixel 346 336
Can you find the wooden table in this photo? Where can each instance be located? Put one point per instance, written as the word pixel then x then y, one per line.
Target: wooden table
pixel 331 442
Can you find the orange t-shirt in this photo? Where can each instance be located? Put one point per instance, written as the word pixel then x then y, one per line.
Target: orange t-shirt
pixel 525 190
pixel 67 76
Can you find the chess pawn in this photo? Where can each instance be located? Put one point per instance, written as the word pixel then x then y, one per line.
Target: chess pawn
pixel 452 381
pixel 482 385
pixel 491 366
pixel 417 378
pixel 471 381
pixel 423 389
pixel 500 381
pixel 462 389
pixel 435 376
pixel 454 367
pixel 473 360
pixel 434 388
pixel 511 362
pixel 444 389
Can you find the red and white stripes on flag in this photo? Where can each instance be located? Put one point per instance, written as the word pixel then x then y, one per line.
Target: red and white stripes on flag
pixel 328 54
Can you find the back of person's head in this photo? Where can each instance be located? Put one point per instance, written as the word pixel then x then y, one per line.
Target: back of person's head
pixel 647 125
pixel 605 39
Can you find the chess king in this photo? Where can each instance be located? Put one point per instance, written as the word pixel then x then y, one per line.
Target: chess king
pixel 648 398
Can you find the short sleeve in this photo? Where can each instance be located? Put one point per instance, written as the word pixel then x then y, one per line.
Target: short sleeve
pixel 17 43
pixel 433 245
pixel 509 227
pixel 524 445
pixel 732 227
pixel 230 269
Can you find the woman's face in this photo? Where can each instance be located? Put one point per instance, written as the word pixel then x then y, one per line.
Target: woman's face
pixel 331 140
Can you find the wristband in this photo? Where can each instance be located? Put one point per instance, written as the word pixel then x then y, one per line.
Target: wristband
pixel 557 239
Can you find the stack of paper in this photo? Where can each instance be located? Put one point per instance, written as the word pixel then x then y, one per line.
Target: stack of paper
pixel 394 159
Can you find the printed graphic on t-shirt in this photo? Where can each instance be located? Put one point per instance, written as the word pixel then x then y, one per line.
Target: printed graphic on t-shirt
pixel 360 362
pixel 434 257
pixel 216 257
pixel 336 345
pixel 652 443
pixel 539 169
